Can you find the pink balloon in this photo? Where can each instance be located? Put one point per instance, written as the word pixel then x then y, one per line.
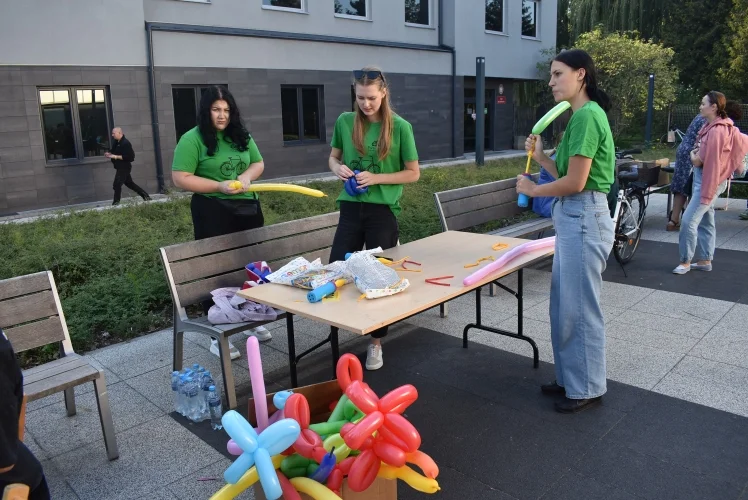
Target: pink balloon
pixel 276 416
pixel 515 252
pixel 233 448
pixel 258 383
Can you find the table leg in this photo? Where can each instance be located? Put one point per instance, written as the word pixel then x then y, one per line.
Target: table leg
pixel 520 327
pixel 291 350
pixel 335 350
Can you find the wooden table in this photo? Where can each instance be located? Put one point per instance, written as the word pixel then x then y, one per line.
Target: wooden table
pixel 443 254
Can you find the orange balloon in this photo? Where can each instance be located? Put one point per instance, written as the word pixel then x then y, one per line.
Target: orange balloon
pixel 423 462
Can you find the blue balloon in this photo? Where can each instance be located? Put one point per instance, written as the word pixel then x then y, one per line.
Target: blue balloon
pixel 351 185
pixel 279 400
pixel 258 450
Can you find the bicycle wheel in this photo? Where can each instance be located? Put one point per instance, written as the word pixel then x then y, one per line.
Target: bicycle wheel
pixel 629 227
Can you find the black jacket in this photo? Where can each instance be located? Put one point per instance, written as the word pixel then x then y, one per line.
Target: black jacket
pixel 123 148
pixel 11 394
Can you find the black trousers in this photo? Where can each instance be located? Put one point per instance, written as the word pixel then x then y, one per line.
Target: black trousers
pixel 123 177
pixel 27 471
pixel 215 217
pixel 371 224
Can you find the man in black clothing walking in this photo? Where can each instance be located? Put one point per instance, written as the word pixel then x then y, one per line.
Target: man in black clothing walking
pixel 122 156
pixel 17 464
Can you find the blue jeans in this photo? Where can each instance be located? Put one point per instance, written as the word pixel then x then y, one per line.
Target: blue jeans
pixel 584 239
pixel 698 234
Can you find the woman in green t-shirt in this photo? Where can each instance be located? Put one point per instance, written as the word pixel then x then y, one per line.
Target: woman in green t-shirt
pixel 379 145
pixel 207 159
pixel 585 170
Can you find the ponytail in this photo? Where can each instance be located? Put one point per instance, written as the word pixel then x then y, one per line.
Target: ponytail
pixel 579 59
pixel 600 97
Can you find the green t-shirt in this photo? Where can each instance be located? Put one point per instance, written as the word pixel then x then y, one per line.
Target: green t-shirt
pixel 402 149
pixel 588 134
pixel 191 155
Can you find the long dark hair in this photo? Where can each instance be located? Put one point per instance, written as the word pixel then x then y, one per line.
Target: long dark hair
pixel 579 59
pixel 236 133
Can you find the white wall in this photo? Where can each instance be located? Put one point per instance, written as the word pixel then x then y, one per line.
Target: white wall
pixel 185 50
pixel 507 56
pixel 387 18
pixel 79 32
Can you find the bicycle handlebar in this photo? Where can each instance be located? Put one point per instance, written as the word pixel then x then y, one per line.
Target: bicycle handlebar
pixel 621 154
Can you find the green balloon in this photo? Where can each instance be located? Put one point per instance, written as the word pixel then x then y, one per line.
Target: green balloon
pixel 550 116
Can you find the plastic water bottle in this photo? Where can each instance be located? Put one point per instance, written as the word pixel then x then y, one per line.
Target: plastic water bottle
pixel 193 399
pixel 214 405
pixel 182 404
pixel 175 389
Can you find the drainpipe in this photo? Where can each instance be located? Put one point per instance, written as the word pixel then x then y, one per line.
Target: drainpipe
pixel 454 76
pixel 154 108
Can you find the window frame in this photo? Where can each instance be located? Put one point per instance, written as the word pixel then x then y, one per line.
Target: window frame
pixel 504 18
pixel 430 25
pixel 355 18
pixel 196 89
pixel 537 21
pixel 80 157
pixel 300 114
pixel 301 10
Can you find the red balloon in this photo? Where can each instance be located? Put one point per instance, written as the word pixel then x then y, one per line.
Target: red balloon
pixel 397 400
pixel 355 437
pixel 345 465
pixel 363 471
pixel 362 396
pixel 297 408
pixel 389 453
pixel 400 427
pixel 335 480
pixel 306 442
pixel 387 435
pixel 289 492
pixel 348 370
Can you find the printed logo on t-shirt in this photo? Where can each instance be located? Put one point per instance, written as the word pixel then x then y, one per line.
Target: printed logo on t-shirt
pixel 368 163
pixel 233 166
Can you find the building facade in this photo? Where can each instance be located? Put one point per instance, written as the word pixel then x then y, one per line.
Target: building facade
pixel 90 65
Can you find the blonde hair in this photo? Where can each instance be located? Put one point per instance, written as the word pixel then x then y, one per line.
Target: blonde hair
pixel 361 123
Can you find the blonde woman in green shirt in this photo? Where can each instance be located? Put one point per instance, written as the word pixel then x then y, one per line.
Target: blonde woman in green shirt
pixel 379 145
pixel 584 170
pixel 207 159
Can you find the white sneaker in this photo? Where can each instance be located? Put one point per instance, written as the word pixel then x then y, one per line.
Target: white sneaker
pixel 681 269
pixel 235 354
pixel 374 359
pixel 262 333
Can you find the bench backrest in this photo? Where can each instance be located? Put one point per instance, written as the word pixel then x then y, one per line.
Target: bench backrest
pixel 31 314
pixel 473 205
pixel 195 268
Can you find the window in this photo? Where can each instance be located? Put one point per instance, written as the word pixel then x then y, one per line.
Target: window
pixel 76 122
pixel 186 100
pixel 302 108
pixel 356 9
pixel 530 18
pixel 418 12
pixel 289 5
pixel 495 16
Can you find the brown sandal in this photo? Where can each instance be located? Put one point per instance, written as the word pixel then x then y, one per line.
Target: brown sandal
pixel 672 226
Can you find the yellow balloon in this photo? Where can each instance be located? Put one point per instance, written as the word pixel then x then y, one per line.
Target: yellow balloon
pixel 236 185
pixel 341 449
pixel 230 491
pixel 292 188
pixel 314 489
pixel 414 479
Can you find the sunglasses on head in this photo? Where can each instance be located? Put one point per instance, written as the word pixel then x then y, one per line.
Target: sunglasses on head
pixel 370 75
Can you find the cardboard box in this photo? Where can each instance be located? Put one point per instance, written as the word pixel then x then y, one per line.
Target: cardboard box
pixel 319 397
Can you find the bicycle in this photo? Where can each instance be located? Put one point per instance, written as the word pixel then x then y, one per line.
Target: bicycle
pixel 630 208
pixel 673 137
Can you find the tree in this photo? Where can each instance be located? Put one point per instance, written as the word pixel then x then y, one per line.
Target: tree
pixel 563 26
pixel 645 16
pixel 734 74
pixel 696 30
pixel 624 63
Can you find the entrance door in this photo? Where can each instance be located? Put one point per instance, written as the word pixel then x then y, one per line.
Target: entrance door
pixel 469 118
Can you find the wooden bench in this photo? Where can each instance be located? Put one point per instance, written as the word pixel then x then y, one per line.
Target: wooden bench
pixel 193 269
pixel 31 316
pixel 471 206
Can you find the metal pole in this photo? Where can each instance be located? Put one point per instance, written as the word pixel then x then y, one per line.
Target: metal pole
pixel 480 105
pixel 650 111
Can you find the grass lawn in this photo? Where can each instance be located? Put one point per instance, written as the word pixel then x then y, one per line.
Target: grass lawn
pixel 107 267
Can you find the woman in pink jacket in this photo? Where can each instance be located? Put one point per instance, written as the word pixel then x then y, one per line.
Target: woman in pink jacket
pixel 719 152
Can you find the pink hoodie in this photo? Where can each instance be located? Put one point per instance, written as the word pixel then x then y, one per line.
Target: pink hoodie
pixel 722 150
